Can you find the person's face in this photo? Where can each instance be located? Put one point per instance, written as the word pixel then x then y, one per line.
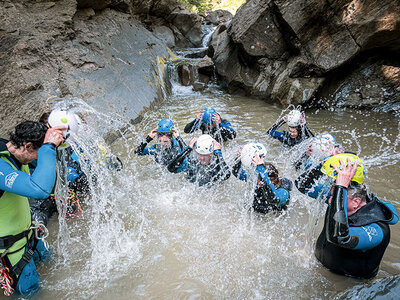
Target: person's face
pixel 293 133
pixel 28 154
pixel 353 204
pixel 164 140
pixel 205 159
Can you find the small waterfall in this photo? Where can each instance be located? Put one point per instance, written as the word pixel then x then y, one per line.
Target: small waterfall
pixel 208 31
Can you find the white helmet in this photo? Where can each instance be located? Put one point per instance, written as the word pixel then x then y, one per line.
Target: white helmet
pixel 249 151
pixel 64 118
pixel 204 144
pixel 322 145
pixel 294 118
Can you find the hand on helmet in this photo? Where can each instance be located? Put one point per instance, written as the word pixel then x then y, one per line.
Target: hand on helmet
pixel 54 135
pixel 345 173
pixel 285 118
pixel 153 133
pixel 192 142
pixel 198 116
pixel 217 146
pixel 176 132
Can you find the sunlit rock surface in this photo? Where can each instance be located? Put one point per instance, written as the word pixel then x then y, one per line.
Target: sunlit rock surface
pixel 298 47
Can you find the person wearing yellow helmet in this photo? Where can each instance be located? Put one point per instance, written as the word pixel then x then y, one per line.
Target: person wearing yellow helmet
pixel 356 230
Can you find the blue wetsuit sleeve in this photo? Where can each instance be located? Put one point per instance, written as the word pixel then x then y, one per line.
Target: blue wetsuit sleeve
pixel 281 194
pixel 227 130
pixel 224 171
pixel 368 236
pixel 238 171
pixel 394 211
pixel 192 126
pixel 142 149
pixel 274 133
pixel 40 184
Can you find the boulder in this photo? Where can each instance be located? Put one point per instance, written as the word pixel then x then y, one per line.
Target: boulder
pixel 293 50
pixel 189 24
pixel 218 17
pixel 49 49
pixel 206 66
pixel 165 34
pixel 255 29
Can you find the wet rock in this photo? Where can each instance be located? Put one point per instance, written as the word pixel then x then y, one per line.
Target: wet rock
pixel 198 53
pixel 165 34
pixel 186 74
pixel 372 82
pixel 255 30
pixel 199 86
pixel 189 24
pixel 206 66
pixel 292 49
pixel 218 17
pixel 51 49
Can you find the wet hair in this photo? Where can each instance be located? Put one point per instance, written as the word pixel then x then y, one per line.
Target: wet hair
pixel 356 190
pixel 273 173
pixel 28 131
pixel 44 118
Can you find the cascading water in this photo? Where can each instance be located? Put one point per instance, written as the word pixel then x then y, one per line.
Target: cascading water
pixel 146 233
pixel 208 31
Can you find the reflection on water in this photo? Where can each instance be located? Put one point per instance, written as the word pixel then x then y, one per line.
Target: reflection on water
pixel 146 233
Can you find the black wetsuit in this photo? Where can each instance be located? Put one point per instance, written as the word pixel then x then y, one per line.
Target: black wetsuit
pixel 161 155
pixel 343 247
pixel 209 174
pixel 284 137
pixel 265 200
pixel 224 130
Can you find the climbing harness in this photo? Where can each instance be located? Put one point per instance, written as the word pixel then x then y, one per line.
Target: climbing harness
pixel 6 280
pixel 73 208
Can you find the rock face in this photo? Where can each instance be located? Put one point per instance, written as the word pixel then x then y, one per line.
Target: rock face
pixel 95 50
pixel 218 17
pixel 291 50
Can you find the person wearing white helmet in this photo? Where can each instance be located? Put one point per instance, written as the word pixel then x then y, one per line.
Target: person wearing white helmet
pixel 272 192
pixel 169 145
pixel 298 129
pixel 320 147
pixel 205 165
pixel 210 122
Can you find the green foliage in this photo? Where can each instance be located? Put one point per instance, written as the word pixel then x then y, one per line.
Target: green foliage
pixel 206 5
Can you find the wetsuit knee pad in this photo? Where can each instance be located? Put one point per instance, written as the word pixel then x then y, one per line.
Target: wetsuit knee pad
pixel 41 253
pixel 28 282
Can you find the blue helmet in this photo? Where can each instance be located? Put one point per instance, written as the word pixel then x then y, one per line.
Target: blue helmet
pixel 208 113
pixel 165 126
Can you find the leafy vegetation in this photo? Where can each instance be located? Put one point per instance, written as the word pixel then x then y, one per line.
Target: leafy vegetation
pixel 206 5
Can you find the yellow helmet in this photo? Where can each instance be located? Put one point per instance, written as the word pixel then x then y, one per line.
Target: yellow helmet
pixel 327 167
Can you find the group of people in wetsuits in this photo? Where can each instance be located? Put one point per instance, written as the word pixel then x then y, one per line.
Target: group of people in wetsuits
pixel 356 229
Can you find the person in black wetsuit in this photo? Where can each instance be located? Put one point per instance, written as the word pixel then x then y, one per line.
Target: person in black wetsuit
pixel 205 165
pixel 356 228
pixel 298 129
pixel 169 145
pixel 272 192
pixel 210 122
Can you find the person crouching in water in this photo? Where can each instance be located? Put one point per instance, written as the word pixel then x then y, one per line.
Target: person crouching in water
pixel 298 130
pixel 210 122
pixel 169 145
pixel 205 165
pixel 272 192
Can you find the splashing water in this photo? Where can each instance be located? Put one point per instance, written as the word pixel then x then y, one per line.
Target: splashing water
pixel 147 233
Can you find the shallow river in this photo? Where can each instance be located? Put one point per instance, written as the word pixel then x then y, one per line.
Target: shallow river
pixel 149 234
